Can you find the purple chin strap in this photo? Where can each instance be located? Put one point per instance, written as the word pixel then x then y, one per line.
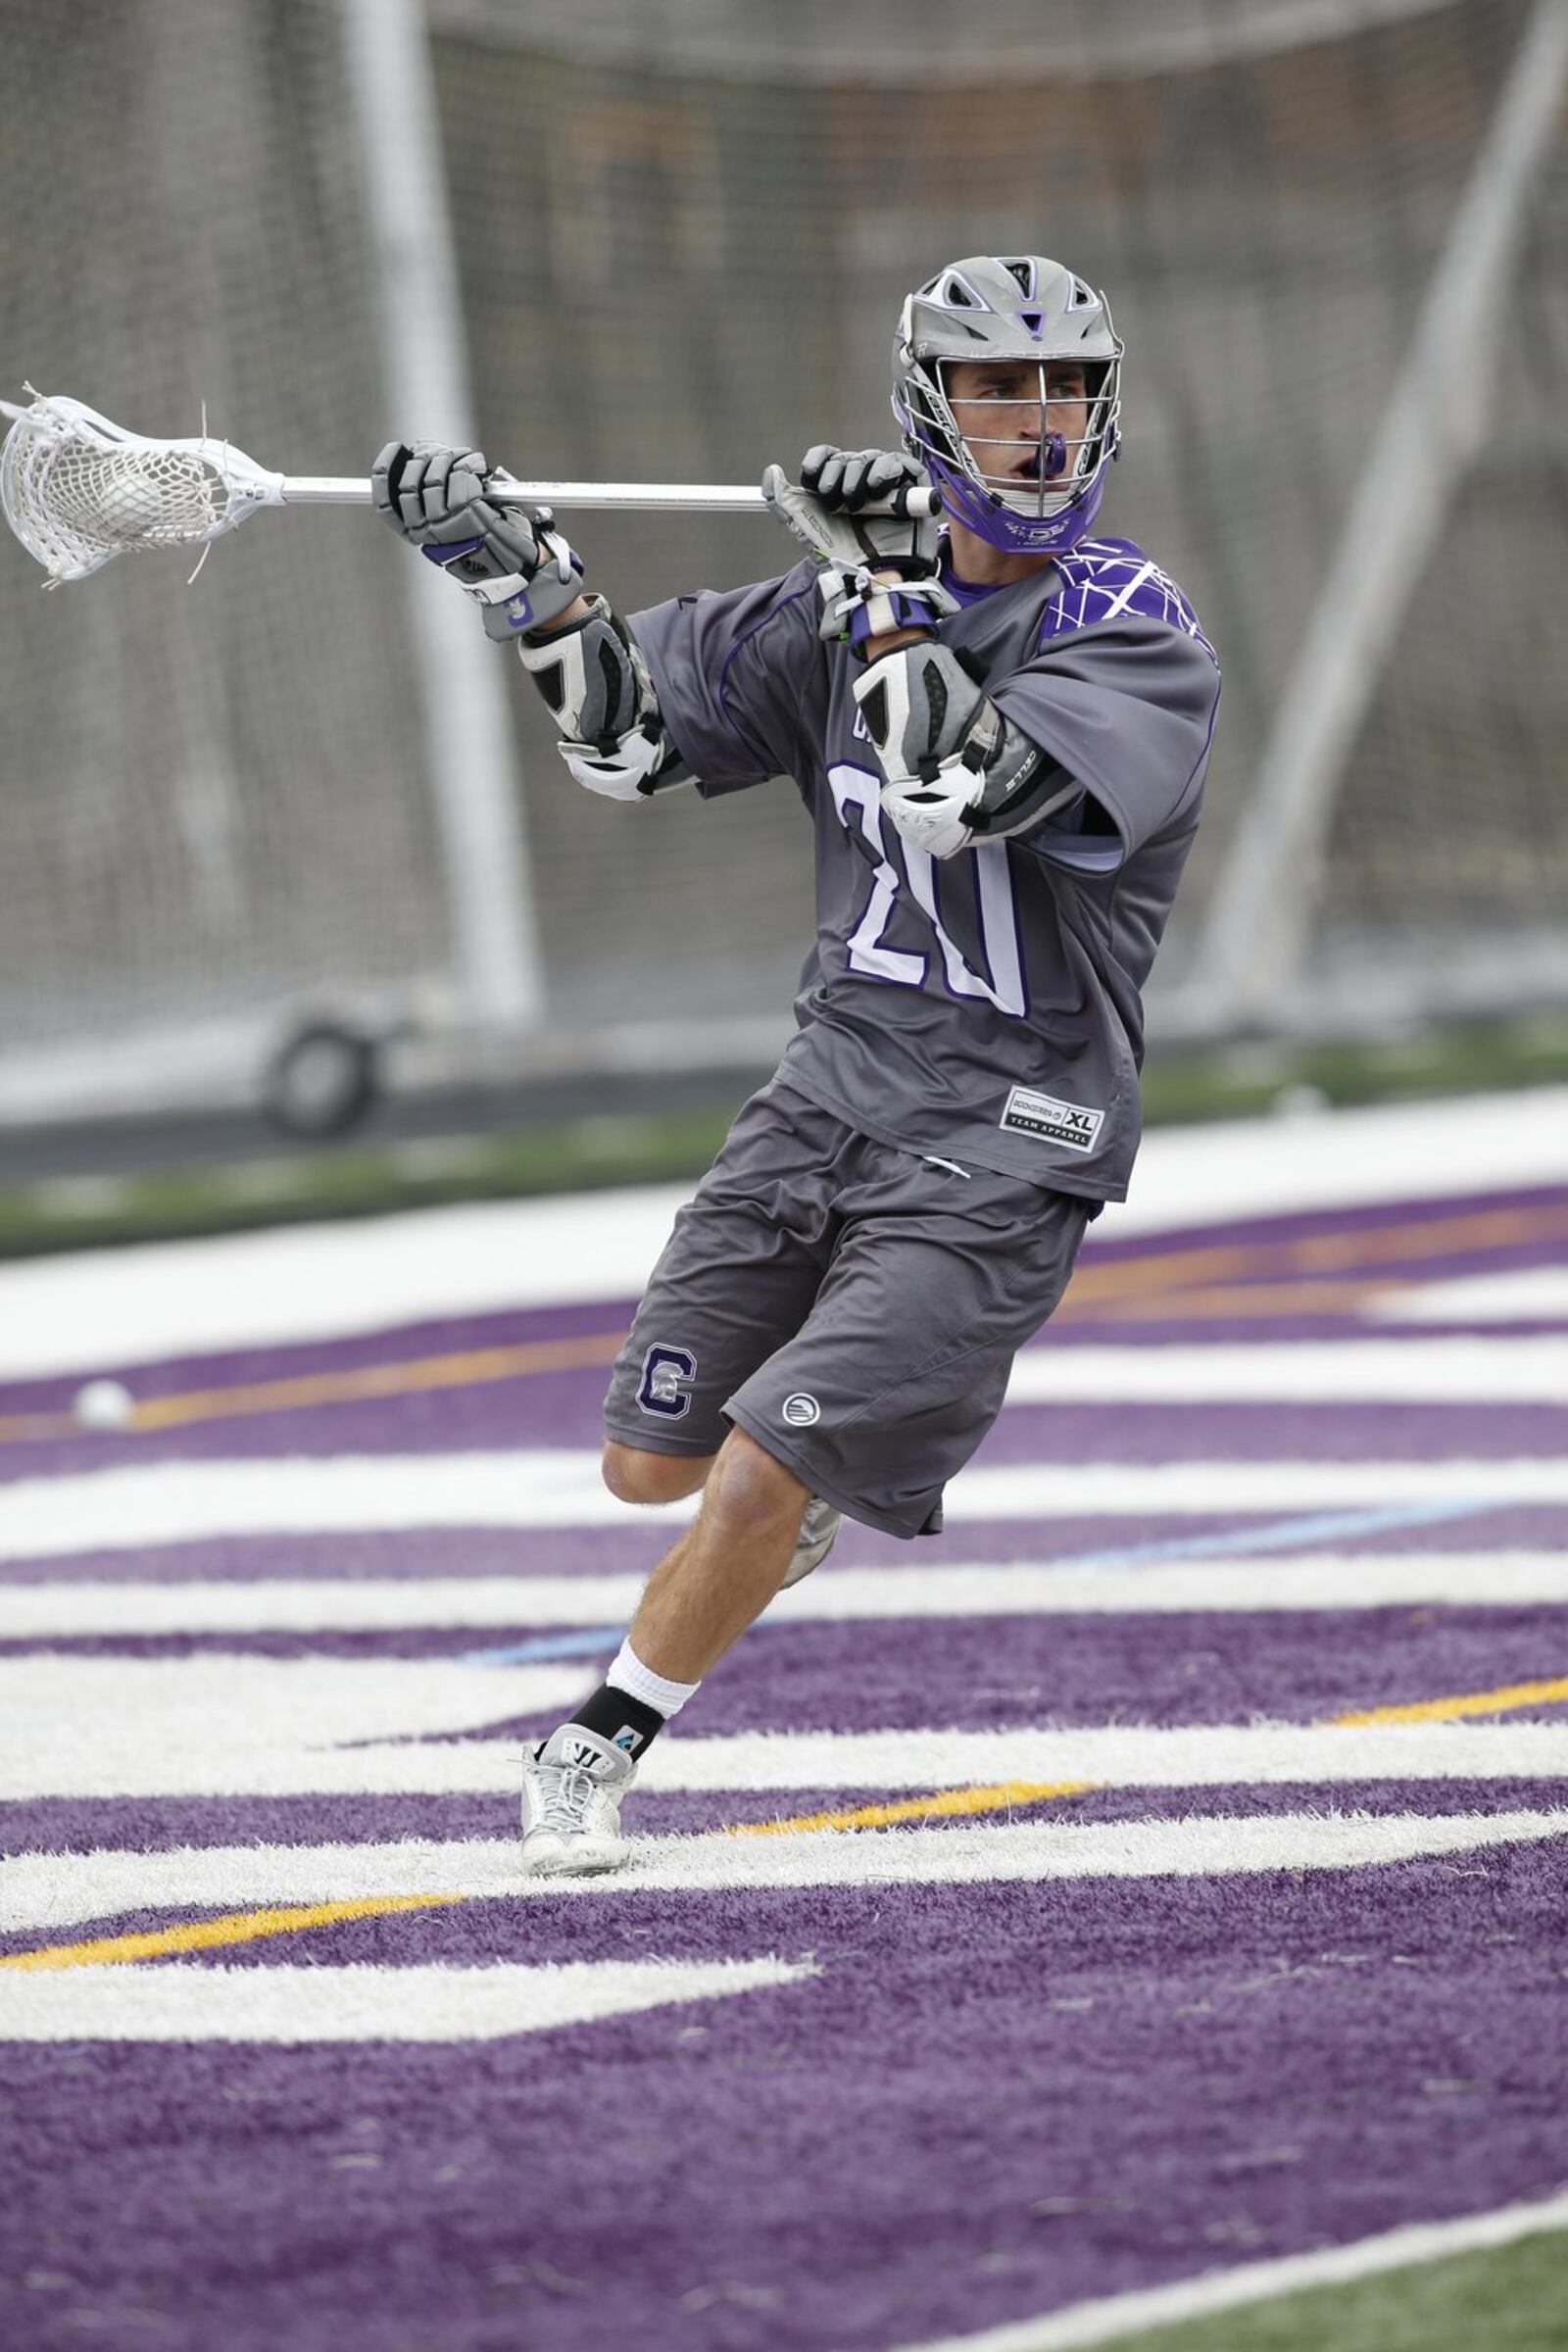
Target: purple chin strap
pixel 983 513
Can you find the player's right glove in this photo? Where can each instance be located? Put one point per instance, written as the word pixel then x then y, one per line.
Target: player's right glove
pixel 510 560
pixel 871 519
pixel 957 770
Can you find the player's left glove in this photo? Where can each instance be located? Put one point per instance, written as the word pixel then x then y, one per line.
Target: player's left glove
pixel 957 770
pixel 510 560
pixel 871 519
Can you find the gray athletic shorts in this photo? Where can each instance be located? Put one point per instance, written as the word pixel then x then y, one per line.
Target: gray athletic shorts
pixel 853 1308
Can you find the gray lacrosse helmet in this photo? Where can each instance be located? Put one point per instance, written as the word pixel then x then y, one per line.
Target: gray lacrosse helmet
pixel 1014 307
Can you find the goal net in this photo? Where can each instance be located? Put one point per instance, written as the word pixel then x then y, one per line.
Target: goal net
pixel 682 233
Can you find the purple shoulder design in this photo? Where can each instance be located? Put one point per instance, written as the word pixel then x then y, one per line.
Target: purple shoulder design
pixel 1102 579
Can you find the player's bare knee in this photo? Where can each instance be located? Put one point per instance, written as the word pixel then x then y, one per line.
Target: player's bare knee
pixel 751 1488
pixel 634 1475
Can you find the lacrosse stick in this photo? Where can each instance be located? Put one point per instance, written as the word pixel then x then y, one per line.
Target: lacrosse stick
pixel 79 490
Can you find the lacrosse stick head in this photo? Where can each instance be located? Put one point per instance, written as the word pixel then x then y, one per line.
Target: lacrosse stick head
pixel 79 490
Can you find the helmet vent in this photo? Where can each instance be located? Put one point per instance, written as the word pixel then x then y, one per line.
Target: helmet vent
pixel 1082 297
pixel 1024 272
pixel 957 294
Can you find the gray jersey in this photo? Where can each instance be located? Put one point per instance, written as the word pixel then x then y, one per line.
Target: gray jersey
pixel 987 1007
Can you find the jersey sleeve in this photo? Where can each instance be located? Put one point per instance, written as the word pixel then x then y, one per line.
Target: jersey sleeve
pixel 1127 708
pixel 737 673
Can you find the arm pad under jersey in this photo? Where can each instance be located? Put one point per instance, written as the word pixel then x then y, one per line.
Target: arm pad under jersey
pixel 595 680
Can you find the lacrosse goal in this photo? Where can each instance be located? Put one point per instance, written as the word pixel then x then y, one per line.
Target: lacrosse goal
pixel 682 236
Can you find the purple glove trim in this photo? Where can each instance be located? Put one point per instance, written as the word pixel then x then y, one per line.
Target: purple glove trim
pixel 908 613
pixel 449 551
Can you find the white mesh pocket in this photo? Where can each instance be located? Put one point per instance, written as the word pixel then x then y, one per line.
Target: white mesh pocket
pixel 78 491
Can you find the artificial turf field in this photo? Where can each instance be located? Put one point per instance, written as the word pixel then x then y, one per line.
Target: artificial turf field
pixel 1040 1931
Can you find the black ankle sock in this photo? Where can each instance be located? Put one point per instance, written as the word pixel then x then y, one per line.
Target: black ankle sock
pixel 625 1722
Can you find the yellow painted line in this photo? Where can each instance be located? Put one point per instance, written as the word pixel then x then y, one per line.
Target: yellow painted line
pixel 416 1376
pixel 470 1368
pixel 234 1926
pixel 1219 1279
pixel 1474 1702
pixel 1324 1252
pixel 248 1927
pixel 946 1802
pixel 17 1428
pixel 1473 1230
pixel 1240 1299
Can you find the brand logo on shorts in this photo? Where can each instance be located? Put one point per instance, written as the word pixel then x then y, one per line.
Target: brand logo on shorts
pixel 801 1411
pixel 1053 1121
pixel 665 1386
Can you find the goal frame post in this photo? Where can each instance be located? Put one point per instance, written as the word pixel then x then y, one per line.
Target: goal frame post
pixel 470 750
pixel 1252 956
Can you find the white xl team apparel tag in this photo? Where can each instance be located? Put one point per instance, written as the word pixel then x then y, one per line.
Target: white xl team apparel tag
pixel 1053 1123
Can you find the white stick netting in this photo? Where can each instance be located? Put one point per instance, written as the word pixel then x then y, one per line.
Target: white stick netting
pixel 78 490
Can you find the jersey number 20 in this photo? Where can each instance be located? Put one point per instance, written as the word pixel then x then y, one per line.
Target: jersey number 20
pixel 856 791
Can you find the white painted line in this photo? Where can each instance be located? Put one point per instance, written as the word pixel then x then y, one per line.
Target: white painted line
pixel 105 1726
pixel 363 2004
pixel 106 1309
pixel 305 1605
pixel 1089 1489
pixel 1267 1582
pixel 47 1894
pixel 1522 1295
pixel 174 1502
pixel 1413 1371
pixel 1182 1756
pixel 116 1308
pixel 1109 2319
pixel 204 1727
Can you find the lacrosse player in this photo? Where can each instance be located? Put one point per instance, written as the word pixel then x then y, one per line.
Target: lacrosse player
pixel 998 724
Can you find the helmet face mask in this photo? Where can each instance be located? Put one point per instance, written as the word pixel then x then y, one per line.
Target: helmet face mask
pixel 1031 313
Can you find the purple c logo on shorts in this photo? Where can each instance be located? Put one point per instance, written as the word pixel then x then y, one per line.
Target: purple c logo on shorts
pixel 665 1389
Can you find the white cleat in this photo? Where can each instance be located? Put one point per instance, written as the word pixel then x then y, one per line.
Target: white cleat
pixel 819 1529
pixel 571 1793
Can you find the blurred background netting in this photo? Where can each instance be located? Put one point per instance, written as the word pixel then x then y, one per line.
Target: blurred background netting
pixel 683 231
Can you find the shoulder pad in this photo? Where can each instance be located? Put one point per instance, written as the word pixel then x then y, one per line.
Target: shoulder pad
pixel 1102 579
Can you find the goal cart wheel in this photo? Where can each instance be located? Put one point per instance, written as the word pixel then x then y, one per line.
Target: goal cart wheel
pixel 322 1081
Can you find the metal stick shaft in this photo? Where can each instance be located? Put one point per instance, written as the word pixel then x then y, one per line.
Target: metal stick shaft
pixel 323 491
pixel 734 498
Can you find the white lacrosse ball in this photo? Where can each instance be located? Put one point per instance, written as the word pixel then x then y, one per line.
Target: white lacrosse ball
pixel 103 1405
pixel 124 505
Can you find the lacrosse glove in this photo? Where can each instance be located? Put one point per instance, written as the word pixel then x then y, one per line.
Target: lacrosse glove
pixel 956 770
pixel 870 516
pixel 510 560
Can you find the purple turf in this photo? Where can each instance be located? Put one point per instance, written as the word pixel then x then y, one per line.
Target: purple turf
pixel 994 2100
pixel 991 2102
pixel 907 1674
